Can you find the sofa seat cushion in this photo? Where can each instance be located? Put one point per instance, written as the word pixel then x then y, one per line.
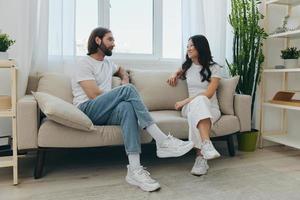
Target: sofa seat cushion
pixel 171 121
pixel 52 134
pixel 227 124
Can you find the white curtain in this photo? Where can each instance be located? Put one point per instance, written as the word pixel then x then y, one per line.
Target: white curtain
pixel 27 20
pixel 209 18
pixel 62 47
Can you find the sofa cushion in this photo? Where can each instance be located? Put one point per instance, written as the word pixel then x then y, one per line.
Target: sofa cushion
pixel 171 121
pixel 227 124
pixel 63 112
pixel 56 84
pixel 225 94
pixel 156 93
pixel 52 134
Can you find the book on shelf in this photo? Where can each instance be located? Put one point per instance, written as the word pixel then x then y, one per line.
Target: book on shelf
pixel 286 98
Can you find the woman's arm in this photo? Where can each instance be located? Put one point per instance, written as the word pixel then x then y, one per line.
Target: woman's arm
pixel 174 77
pixel 211 89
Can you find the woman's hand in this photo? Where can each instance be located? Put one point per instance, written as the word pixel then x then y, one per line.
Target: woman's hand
pixel 180 104
pixel 173 80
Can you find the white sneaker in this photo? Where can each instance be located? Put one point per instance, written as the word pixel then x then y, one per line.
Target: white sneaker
pixel 200 166
pixel 208 150
pixel 141 178
pixel 173 147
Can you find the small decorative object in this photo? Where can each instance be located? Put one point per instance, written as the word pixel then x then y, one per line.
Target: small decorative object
pixel 290 56
pixel 279 66
pixel 5 43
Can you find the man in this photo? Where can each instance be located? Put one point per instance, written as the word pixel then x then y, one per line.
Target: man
pixel 93 94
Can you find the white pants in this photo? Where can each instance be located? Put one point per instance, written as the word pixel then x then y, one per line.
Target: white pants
pixel 198 109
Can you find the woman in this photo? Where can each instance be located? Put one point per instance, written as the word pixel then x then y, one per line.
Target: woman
pixel 201 108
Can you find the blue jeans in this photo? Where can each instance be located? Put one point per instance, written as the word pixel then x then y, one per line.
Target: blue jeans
pixel 120 106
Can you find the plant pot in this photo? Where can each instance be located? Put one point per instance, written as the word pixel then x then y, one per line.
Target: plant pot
pixel 247 140
pixel 3 55
pixel 291 63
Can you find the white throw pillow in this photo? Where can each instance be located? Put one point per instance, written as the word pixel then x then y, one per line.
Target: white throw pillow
pixel 225 94
pixel 63 112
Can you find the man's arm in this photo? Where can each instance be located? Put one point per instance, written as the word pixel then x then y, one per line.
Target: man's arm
pixel 123 75
pixel 90 88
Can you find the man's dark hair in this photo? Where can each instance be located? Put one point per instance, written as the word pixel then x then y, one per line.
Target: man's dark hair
pixel 97 32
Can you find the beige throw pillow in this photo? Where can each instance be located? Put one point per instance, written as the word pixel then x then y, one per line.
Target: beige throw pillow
pixel 63 112
pixel 225 94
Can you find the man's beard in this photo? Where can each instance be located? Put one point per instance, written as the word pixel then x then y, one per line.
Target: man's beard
pixel 104 49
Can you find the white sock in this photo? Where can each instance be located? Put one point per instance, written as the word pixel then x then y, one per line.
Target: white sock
pixel 134 160
pixel 156 133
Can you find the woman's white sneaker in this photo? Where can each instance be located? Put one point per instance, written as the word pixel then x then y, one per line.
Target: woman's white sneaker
pixel 208 150
pixel 141 178
pixel 200 166
pixel 173 147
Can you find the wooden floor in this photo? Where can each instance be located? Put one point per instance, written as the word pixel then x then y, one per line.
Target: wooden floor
pixel 269 173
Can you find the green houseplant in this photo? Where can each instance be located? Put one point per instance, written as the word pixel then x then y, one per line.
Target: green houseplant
pixel 247 56
pixel 5 43
pixel 290 56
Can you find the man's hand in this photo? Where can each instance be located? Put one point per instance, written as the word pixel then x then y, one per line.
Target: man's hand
pixel 125 81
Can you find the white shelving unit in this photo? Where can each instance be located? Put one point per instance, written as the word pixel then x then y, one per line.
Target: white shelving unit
pixel 279 136
pixel 8 109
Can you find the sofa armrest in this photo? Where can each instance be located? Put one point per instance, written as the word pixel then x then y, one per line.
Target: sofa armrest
pixel 242 109
pixel 27 122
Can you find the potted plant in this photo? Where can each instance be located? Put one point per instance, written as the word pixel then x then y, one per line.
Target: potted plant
pixel 5 43
pixel 290 57
pixel 247 56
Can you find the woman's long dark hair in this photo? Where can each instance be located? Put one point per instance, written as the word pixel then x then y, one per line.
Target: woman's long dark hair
pixel 205 58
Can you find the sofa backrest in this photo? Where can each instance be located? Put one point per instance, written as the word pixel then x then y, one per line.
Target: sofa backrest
pixel 155 91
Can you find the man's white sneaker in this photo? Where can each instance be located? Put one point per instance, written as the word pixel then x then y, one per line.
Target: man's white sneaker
pixel 173 147
pixel 200 166
pixel 208 150
pixel 141 178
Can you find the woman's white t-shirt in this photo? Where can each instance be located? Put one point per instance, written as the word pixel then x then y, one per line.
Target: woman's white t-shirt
pixel 91 69
pixel 195 84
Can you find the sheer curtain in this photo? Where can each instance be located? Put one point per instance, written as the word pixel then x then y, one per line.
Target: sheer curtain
pixel 27 20
pixel 62 47
pixel 209 18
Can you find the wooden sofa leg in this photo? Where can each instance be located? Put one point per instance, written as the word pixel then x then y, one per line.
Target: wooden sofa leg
pixel 230 144
pixel 40 160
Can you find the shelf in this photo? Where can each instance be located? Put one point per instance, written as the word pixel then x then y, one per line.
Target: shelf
pixel 6 161
pixel 284 2
pixel 282 70
pixel 285 139
pixel 289 34
pixel 7 63
pixel 275 105
pixel 6 113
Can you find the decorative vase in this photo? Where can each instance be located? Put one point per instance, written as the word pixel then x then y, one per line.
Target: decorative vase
pixel 291 63
pixel 247 140
pixel 3 55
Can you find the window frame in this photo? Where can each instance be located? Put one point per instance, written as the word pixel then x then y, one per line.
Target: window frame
pixel 157 43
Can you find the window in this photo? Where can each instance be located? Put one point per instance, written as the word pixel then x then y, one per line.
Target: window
pixel 132 25
pixel 86 21
pixel 142 28
pixel 171 29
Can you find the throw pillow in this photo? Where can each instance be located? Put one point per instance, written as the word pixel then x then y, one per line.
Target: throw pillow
pixel 225 94
pixel 63 112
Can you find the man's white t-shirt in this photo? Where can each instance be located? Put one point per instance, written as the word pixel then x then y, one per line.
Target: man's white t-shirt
pixel 195 84
pixel 91 69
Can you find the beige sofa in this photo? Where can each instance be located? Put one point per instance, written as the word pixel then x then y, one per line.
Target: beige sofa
pixel 43 135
